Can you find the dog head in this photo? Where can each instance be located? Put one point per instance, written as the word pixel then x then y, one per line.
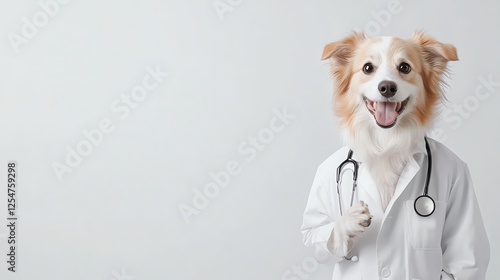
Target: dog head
pixel 387 83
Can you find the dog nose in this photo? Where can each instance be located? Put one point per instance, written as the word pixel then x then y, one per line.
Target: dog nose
pixel 387 88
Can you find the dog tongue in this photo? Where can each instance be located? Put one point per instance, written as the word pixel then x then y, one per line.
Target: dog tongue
pixel 385 113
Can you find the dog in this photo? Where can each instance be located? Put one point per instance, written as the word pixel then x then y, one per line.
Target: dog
pixel 386 94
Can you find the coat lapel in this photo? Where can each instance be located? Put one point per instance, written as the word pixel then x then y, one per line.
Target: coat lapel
pixel 368 187
pixel 411 169
pixel 409 172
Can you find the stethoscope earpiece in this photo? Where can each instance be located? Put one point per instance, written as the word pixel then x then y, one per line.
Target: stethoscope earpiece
pixel 354 177
pixel 351 259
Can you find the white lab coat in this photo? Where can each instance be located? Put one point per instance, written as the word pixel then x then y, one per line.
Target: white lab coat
pixel 399 244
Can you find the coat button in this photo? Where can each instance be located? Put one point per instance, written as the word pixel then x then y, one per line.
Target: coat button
pixel 385 272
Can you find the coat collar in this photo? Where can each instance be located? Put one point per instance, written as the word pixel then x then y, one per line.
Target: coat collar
pixel 418 149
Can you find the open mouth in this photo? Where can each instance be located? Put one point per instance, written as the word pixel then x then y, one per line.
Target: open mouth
pixel 385 113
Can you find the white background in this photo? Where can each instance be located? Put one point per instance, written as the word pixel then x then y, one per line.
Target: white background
pixel 116 214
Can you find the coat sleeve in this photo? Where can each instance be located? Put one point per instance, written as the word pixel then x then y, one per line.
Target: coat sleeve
pixel 465 245
pixel 318 222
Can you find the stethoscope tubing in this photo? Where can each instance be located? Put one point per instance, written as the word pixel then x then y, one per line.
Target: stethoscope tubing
pixel 428 205
pixel 355 164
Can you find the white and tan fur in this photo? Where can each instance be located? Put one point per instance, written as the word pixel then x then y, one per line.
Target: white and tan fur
pixel 385 151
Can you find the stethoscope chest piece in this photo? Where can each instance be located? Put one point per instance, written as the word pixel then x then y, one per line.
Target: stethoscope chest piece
pixel 424 205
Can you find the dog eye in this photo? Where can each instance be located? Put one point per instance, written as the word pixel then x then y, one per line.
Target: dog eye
pixel 404 68
pixel 368 68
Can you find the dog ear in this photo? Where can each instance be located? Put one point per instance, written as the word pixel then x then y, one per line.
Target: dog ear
pixel 342 50
pixel 435 53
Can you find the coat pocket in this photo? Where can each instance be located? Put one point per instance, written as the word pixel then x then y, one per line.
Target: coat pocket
pixel 425 232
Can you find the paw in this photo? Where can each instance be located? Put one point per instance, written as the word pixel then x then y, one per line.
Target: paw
pixel 357 219
pixel 353 223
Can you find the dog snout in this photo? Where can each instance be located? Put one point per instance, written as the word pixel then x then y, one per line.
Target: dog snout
pixel 387 88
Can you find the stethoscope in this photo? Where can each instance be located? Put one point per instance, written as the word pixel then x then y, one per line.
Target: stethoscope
pixel 424 205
